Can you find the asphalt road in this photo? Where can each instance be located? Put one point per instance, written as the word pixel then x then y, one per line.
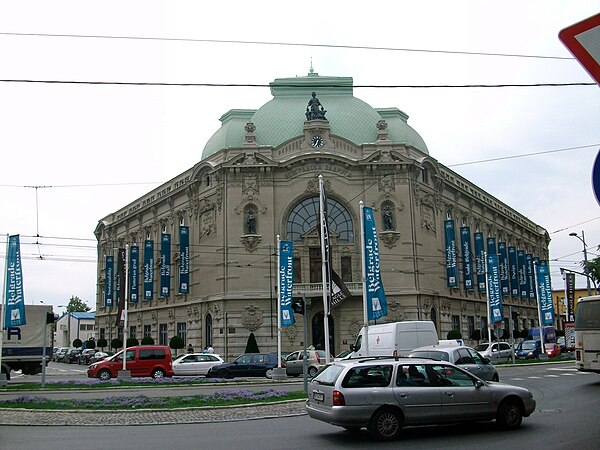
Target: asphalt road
pixel 566 417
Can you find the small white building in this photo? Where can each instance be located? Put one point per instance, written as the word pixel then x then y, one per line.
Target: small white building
pixel 75 325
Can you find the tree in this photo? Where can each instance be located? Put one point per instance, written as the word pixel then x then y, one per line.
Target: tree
pixel 77 305
pixel 176 343
pixel 593 269
pixel 251 345
pixel 132 342
pixel 116 343
pixel 90 343
pixel 476 335
pixel 77 343
pixel 102 343
pixel 454 334
pixel 147 340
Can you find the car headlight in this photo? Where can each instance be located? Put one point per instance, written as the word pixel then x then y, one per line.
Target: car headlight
pixel 93 366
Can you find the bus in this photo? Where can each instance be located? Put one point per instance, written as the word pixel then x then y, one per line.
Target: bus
pixel 587 334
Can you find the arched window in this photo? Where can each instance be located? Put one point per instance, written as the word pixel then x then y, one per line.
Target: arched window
pixel 305 216
pixel 433 317
pixel 208 330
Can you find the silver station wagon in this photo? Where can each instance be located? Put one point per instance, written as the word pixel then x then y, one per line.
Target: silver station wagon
pixel 385 394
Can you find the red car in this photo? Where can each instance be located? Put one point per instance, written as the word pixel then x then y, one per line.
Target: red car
pixel 552 350
pixel 143 361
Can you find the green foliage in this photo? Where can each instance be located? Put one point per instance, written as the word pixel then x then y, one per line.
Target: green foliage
pixel 116 343
pixel 102 343
pixel 147 340
pixel 524 333
pixel 593 269
pixel 77 343
pixel 77 305
pixel 252 345
pixel 132 342
pixel 505 334
pixel 90 343
pixel 176 343
pixel 454 334
pixel 476 335
pixel 516 334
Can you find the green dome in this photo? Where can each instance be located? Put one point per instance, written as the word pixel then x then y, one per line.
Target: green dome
pixel 282 118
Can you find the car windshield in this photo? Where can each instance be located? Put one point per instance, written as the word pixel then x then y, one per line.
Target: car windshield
pixel 431 354
pixel 528 345
pixel 481 347
pixel 328 375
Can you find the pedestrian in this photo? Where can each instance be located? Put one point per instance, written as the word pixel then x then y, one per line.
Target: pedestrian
pixel 210 349
pixel 190 349
pixel 205 350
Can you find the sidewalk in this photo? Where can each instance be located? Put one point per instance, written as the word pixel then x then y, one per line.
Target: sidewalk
pixel 150 417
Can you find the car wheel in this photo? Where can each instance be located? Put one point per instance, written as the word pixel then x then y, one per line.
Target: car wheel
pixel 312 371
pixel 104 375
pixel 158 373
pixel 222 374
pixel 495 377
pixel 385 425
pixel 269 373
pixel 510 415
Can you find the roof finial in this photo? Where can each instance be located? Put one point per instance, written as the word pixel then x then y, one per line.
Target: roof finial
pixel 311 66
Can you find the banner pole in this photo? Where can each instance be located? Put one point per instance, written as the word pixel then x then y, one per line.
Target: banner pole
pixel 3 377
pixel 324 262
pixel 539 307
pixel 364 279
pixel 487 295
pixel 278 305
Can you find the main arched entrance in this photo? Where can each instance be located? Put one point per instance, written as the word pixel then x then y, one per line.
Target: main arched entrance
pixel 318 333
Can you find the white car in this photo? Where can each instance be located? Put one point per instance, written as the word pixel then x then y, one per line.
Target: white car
pixel 496 351
pixel 195 363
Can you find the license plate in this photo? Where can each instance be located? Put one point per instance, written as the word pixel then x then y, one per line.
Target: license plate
pixel 318 396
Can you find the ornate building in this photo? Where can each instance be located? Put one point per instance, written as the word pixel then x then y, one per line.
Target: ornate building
pixel 257 179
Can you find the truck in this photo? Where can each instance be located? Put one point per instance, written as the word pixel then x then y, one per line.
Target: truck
pixel 549 334
pixel 22 347
pixel 395 339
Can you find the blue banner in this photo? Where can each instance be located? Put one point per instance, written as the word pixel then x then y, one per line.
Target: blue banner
pixel 503 266
pixel 465 243
pixel 480 261
pixel 513 272
pixel 530 276
pixel 491 246
pixel 184 260
pixel 544 293
pixel 148 270
pixel 120 271
pixel 134 270
pixel 376 302
pixel 451 264
pixel 165 265
pixel 14 316
pixel 521 262
pixel 494 294
pixel 109 272
pixel 286 282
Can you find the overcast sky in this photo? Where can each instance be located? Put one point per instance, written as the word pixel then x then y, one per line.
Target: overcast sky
pixel 91 149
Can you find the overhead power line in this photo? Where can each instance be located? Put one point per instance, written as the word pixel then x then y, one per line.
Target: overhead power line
pixel 247 85
pixel 286 44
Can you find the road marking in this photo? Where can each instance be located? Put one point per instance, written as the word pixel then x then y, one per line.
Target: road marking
pixel 517 379
pixel 569 369
pixel 535 378
pixel 568 374
pixel 552 376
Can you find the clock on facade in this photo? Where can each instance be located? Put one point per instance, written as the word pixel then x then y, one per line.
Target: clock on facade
pixel 317 141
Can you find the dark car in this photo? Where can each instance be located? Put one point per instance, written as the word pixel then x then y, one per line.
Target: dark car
pixel 86 355
pixel 246 365
pixel 528 350
pixel 72 356
pixel 60 354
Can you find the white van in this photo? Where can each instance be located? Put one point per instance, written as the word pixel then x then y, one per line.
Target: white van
pixel 397 338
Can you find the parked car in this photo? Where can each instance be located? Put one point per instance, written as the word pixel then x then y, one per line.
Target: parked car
pixel 496 351
pixel 552 350
pixel 143 361
pixel 386 394
pixel 86 355
pixel 60 354
pixel 294 362
pixel 462 356
pixel 246 365
pixel 561 343
pixel 195 363
pixel 100 356
pixel 528 350
pixel 343 355
pixel 72 356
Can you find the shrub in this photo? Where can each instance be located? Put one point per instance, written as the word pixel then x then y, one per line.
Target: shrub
pixel 525 333
pixel 147 340
pixel 454 334
pixel 116 343
pixel 516 334
pixel 102 343
pixel 90 343
pixel 505 334
pixel 131 342
pixel 176 343
pixel 77 343
pixel 251 345
pixel 476 335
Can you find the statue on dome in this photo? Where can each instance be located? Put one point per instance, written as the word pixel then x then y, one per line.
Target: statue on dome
pixel 315 110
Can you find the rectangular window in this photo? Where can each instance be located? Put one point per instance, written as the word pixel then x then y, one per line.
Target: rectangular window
pixel 102 333
pixel 147 330
pixel 182 331
pixel 297 270
pixel 456 323
pixel 163 334
pixel 346 268
pixel 316 274
pixel 90 327
pixel 471 324
pixel 82 327
pixel 132 331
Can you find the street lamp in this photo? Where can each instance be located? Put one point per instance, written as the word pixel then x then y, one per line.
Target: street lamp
pixel 585 258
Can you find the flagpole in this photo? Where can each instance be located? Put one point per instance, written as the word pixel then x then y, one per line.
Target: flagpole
pixel 539 308
pixel 487 294
pixel 365 343
pixel 125 307
pixel 324 263
pixel 3 377
pixel 278 306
